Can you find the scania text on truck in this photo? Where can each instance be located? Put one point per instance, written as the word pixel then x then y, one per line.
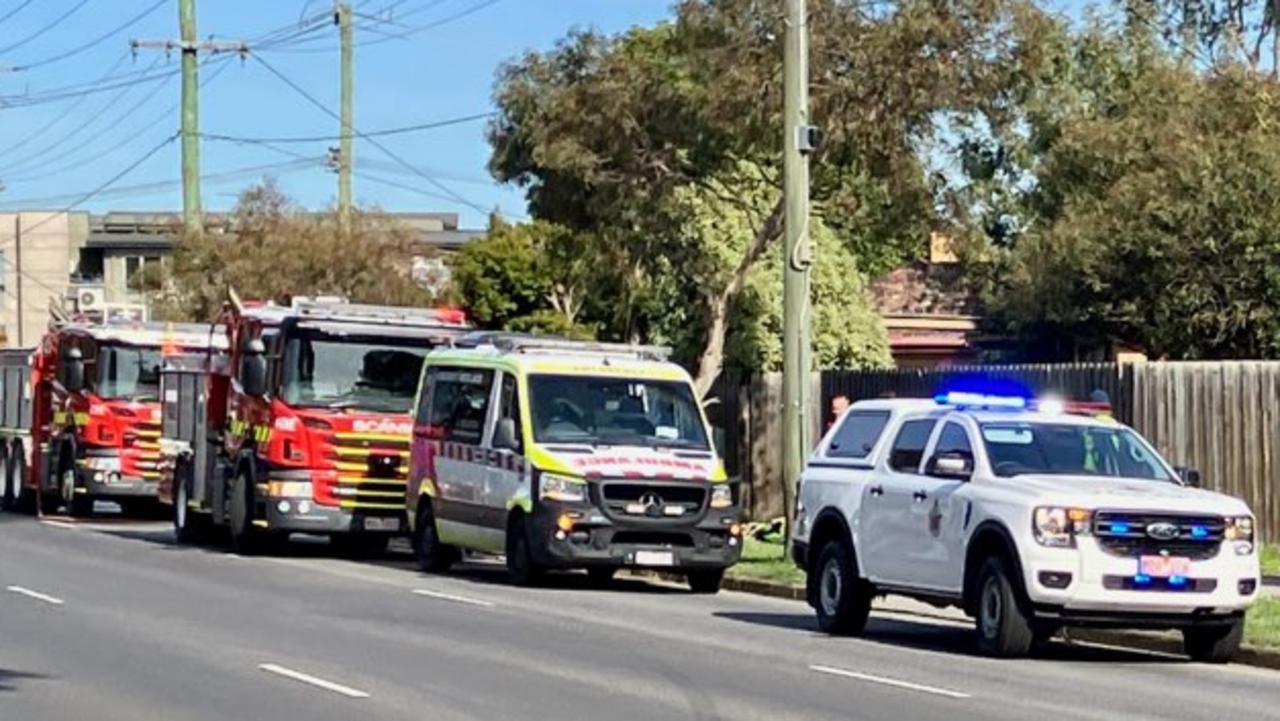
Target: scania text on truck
pixel 311 411
pixel 80 418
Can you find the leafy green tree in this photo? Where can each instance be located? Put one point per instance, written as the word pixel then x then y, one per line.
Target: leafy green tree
pixel 1145 205
pixel 610 135
pixel 272 249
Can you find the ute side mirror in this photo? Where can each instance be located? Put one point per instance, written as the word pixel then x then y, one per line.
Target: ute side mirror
pixel 954 465
pixel 73 370
pixel 253 369
pixel 1189 476
pixel 504 435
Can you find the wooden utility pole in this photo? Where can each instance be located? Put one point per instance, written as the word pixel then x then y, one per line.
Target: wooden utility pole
pixel 192 214
pixel 797 362
pixel 343 17
pixel 17 276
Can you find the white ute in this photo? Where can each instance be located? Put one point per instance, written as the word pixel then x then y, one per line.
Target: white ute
pixel 1027 516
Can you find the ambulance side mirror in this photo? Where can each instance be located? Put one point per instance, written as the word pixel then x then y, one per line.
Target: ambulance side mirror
pixel 253 369
pixel 73 370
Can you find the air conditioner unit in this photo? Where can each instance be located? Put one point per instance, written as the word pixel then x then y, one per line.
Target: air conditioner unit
pixel 86 299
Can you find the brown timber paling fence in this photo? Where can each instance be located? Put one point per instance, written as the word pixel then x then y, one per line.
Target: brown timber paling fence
pixel 1219 417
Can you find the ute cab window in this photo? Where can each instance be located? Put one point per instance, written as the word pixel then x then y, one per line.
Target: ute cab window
pixel 1065 449
pixel 129 372
pixel 325 370
pixel 615 411
pixel 908 446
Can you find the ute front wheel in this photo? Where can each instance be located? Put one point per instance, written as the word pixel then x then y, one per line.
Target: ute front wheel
pixel 79 504
pixel 1213 644
pixel 1003 629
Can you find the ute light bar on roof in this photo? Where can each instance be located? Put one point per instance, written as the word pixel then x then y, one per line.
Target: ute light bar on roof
pixel 970 399
pixel 522 343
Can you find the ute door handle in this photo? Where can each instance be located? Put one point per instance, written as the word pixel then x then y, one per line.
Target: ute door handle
pixel 876 490
pixel 920 496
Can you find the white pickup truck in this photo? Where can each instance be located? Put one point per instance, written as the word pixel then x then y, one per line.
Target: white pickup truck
pixel 1028 517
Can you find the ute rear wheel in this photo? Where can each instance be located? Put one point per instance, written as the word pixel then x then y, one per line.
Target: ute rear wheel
pixel 1213 644
pixel 432 555
pixel 843 599
pixel 1003 629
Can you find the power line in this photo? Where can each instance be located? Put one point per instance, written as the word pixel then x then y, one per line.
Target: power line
pixel 372 141
pixel 42 155
pixel 46 127
pixel 95 42
pixel 154 187
pixel 365 175
pixel 123 142
pixel 16 10
pixel 368 134
pixel 388 37
pixel 46 28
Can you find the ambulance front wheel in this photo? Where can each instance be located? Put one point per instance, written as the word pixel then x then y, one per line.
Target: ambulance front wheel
pixel 522 567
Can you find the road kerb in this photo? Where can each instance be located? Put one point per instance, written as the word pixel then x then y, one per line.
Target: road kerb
pixel 1137 640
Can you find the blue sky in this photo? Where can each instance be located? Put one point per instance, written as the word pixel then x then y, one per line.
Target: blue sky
pixel 440 73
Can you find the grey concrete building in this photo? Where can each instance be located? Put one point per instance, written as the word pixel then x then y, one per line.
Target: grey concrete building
pixel 87 260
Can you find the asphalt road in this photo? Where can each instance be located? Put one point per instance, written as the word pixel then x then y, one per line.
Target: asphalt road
pixel 113 621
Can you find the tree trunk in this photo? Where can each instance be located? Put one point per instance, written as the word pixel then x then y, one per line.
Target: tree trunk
pixel 711 359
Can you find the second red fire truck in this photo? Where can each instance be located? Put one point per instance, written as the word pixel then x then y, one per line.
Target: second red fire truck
pixel 303 426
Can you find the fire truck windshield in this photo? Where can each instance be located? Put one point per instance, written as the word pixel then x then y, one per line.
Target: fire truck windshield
pixel 374 374
pixel 129 372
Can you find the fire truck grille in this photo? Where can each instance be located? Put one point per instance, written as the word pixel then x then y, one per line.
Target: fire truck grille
pixel 373 469
pixel 148 445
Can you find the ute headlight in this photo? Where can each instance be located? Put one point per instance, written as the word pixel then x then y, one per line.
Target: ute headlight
pixel 561 488
pixel 721 496
pixel 1058 527
pixel 1239 531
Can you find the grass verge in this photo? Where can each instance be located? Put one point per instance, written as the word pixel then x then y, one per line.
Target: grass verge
pixel 1270 560
pixel 764 561
pixel 1262 624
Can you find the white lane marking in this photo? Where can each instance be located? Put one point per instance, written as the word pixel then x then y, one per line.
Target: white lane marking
pixel 34 594
pixel 313 681
pixel 60 524
pixel 889 682
pixel 451 597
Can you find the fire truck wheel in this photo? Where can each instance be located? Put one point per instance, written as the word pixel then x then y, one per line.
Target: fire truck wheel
pixel 433 556
pixel 246 539
pixel 359 545
pixel 188 528
pixel 9 499
pixel 79 505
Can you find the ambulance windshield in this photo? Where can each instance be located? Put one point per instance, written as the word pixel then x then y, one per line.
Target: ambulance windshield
pixel 615 412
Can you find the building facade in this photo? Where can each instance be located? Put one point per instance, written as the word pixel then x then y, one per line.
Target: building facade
pixel 88 262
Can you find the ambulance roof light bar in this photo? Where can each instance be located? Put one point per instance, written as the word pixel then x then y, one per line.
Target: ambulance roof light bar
pixel 522 343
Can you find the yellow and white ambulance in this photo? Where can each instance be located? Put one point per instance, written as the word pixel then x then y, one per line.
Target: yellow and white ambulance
pixel 563 454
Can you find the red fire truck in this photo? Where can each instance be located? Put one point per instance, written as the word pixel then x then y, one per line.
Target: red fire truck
pixel 80 414
pixel 310 412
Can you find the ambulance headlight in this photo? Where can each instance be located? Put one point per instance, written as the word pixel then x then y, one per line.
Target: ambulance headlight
pixel 721 495
pixel 561 488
